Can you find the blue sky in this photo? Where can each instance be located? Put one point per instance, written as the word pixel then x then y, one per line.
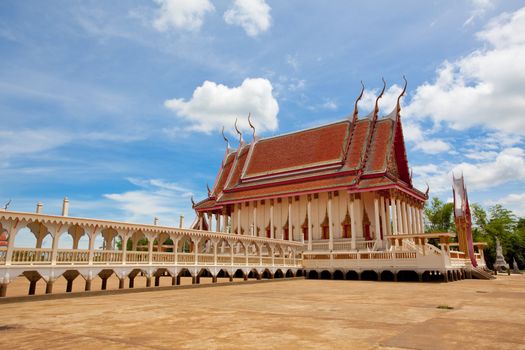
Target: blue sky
pixel 118 105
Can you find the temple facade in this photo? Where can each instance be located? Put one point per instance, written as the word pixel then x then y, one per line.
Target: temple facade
pixel 346 183
pixel 343 189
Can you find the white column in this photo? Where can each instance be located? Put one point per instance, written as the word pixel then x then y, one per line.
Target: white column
pixel 399 217
pixel 376 216
pixel 330 230
pixel 224 221
pixel 210 222
pixel 404 215
pixel 394 216
pixel 255 218
pixel 352 222
pixel 309 223
pixel 409 218
pixel 290 226
pixel 272 233
pixel 386 214
pixel 383 217
pixel 201 216
pixel 422 220
pixel 217 223
pixel 150 250
pixel 414 219
pixel 239 227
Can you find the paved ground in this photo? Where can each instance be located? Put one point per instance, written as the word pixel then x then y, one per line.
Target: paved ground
pixel 298 314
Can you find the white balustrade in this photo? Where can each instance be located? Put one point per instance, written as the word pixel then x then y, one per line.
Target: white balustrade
pixel 31 256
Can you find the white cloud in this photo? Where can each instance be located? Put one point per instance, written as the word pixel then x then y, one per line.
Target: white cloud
pixel 513 201
pixel 181 14
pixel 215 105
pixel 16 143
pixel 479 8
pixel 329 104
pixel 508 166
pixel 432 146
pixel 252 15
pixel 154 198
pixel 484 88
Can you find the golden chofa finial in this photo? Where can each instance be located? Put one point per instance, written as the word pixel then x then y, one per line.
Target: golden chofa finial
pixel 398 106
pixel 238 131
pixel 376 108
pixel 354 118
pixel 251 125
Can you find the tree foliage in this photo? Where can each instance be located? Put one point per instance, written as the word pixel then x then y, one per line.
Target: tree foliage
pixel 439 215
pixel 497 221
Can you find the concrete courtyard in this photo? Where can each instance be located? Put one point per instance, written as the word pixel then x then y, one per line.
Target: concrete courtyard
pixel 291 314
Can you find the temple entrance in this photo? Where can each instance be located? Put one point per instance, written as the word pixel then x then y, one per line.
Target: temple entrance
pixel 346 226
pixel 325 227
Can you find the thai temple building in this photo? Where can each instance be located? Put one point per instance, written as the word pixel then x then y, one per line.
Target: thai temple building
pixel 343 189
pixel 334 201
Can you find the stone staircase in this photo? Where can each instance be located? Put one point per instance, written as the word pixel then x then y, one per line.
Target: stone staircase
pixel 481 274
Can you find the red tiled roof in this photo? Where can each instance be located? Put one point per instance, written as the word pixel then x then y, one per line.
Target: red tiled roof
pixel 238 165
pixel 379 149
pixel 206 204
pixel 223 174
pixel 289 189
pixel 358 143
pixel 298 150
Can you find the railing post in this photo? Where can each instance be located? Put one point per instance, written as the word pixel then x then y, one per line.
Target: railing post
pixel 215 243
pixel 150 251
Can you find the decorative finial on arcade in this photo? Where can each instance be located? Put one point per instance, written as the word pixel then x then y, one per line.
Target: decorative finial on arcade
pixel 376 108
pixel 354 118
pixel 225 139
pixel 192 202
pixel 238 131
pixel 428 189
pixel 7 205
pixel 251 125
pixel 209 191
pixel 398 106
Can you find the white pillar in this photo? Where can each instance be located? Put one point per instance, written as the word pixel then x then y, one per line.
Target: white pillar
pixel 272 233
pixel 39 207
pixel 255 218
pixel 290 226
pixel 309 223
pixel 377 224
pixel 181 221
pixel 65 207
pixel 422 219
pixel 201 216
pixel 394 217
pixel 239 227
pixel 414 219
pixel 224 222
pixel 387 216
pixel 330 231
pixel 217 223
pixel 383 217
pixel 353 223
pixel 404 216
pixel 399 217
pixel 409 218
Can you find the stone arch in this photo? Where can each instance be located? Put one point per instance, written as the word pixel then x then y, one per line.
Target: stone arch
pixel 326 275
pixel 40 232
pixel 352 275
pixel 289 274
pixel 223 273
pixel 267 274
pixel 338 275
pixel 407 276
pixel 387 275
pixel 278 274
pixel 299 273
pixel 185 245
pixel 254 274
pixel 239 273
pixel 369 275
pixel 313 275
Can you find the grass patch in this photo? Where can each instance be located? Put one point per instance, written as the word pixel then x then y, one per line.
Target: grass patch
pixel 445 307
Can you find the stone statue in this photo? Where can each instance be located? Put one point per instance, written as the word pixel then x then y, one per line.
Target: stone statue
pixel 500 265
pixel 515 268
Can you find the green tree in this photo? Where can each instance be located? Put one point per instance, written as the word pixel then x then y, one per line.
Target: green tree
pixel 439 215
pixel 501 223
